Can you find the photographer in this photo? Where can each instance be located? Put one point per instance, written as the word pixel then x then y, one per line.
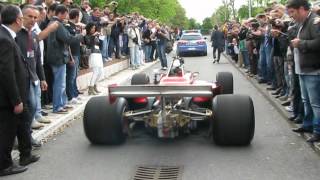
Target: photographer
pixel 114 36
pixel 106 27
pixel 265 61
pixel 146 36
pixel 95 58
pixel 243 54
pixel 253 39
pixel 162 37
pixel 134 44
pixel 280 44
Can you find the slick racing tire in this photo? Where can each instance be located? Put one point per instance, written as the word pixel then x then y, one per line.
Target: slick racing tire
pixel 104 122
pixel 225 79
pixel 234 121
pixel 140 79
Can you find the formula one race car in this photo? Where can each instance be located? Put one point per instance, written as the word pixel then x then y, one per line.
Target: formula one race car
pixel 175 104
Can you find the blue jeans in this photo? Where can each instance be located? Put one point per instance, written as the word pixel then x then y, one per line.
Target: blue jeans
pixel 134 55
pixel 125 48
pixel 245 56
pixel 147 52
pixel 59 98
pixel 114 43
pixel 35 100
pixel 72 71
pixel 265 62
pixel 310 94
pixel 162 54
pixel 105 47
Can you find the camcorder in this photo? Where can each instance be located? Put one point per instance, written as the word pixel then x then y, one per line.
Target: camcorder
pixel 255 25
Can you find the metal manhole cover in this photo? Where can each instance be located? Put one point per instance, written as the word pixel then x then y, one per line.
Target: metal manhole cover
pixel 158 173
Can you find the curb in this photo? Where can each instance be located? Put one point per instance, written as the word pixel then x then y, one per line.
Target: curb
pixel 273 101
pixel 58 121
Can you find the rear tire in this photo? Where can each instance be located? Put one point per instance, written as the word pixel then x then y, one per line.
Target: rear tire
pixel 140 79
pixel 234 120
pixel 103 122
pixel 225 79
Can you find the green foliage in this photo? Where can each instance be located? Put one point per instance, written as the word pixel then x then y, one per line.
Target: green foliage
pixel 166 11
pixel 162 10
pixel 206 25
pixel 180 19
pixel 243 12
pixel 221 15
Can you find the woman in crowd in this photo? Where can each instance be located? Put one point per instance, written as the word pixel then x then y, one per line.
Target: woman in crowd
pixel 95 58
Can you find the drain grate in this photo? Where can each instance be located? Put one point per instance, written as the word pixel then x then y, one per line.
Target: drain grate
pixel 158 173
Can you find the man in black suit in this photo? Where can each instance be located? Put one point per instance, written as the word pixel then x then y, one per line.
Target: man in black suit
pixel 217 38
pixel 13 94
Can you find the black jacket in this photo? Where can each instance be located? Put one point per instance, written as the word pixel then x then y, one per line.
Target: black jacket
pixel 309 46
pixel 92 42
pixel 58 45
pixel 14 81
pixel 147 35
pixel 75 46
pixel 34 64
pixel 217 38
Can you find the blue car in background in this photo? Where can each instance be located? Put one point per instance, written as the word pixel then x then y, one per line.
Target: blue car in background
pixel 192 43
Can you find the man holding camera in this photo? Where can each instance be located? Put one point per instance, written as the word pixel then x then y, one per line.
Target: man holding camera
pixel 162 36
pixel 306 55
pixel 134 44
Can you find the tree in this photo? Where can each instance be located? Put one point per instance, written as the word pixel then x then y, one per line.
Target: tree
pixel 231 3
pixel 206 25
pixel 163 10
pixel 180 19
pixel 243 12
pixel 193 24
pixel 220 15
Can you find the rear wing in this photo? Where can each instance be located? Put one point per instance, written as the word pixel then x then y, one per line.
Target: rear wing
pixel 161 90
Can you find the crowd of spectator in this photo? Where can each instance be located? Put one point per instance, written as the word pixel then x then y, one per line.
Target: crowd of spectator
pixel 55 40
pixel 88 37
pixel 280 48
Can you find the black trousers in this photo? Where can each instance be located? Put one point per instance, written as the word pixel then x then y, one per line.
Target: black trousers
pixel 220 50
pixel 297 104
pixel 154 52
pixel 253 60
pixel 46 96
pixel 12 125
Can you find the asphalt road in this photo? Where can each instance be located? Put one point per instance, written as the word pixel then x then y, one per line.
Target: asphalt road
pixel 275 152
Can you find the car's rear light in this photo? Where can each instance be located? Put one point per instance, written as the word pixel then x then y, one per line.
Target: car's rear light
pixel 112 99
pixel 200 99
pixel 201 42
pixel 182 42
pixel 140 100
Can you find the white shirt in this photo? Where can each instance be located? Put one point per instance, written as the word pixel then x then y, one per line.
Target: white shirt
pixel 12 33
pixel 37 29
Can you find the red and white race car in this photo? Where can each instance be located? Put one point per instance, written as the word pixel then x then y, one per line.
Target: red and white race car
pixel 176 103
